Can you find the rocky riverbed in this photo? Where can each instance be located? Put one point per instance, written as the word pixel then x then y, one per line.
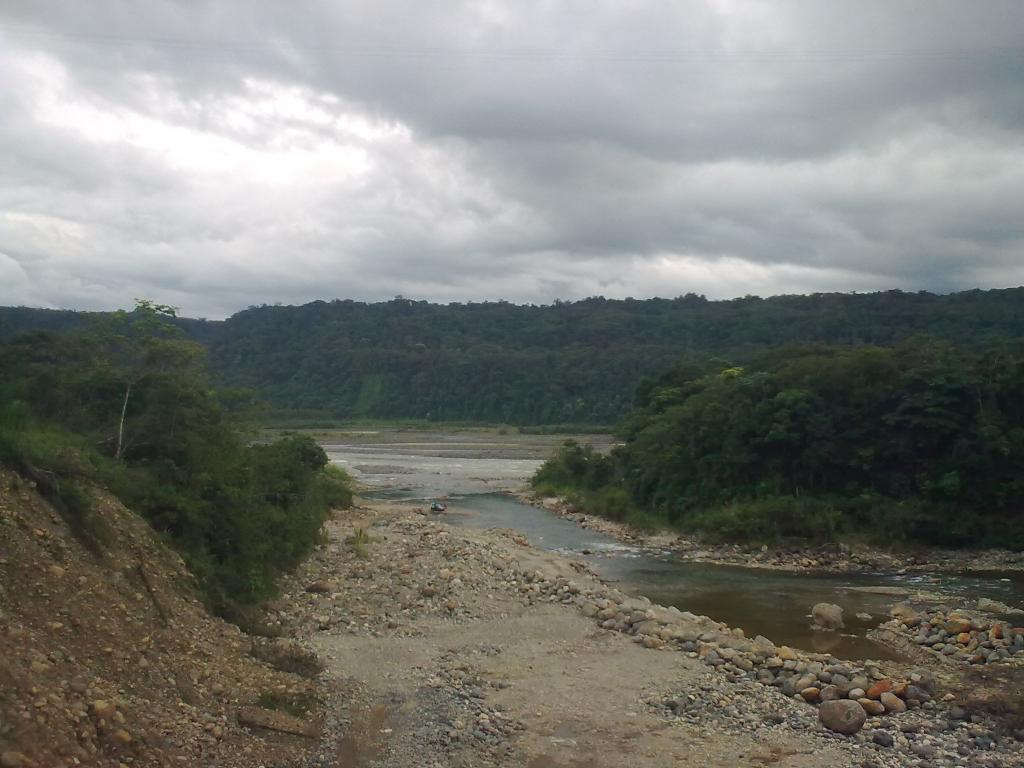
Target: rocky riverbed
pixel 832 557
pixel 448 646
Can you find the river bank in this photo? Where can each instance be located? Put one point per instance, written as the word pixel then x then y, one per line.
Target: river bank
pixel 450 646
pixel 830 557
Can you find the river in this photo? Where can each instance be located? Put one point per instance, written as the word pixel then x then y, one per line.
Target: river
pixel 474 471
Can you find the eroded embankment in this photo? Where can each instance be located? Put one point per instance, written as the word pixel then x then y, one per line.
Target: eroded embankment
pixel 107 657
pixel 458 647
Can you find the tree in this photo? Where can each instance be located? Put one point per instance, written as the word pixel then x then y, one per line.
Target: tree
pixel 137 348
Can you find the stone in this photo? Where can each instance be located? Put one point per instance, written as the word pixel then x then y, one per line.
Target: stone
pixel 827 616
pixel 892 702
pixel 810 694
pixel 842 716
pixel 871 706
pixel 856 693
pixel 786 653
pixel 917 693
pixel 12 760
pixel 56 571
pixel 877 689
pixel 995 606
pixel 956 625
pixel 320 587
pixel 829 693
pixel 882 738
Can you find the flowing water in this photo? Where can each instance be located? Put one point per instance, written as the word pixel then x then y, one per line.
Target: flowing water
pixel 470 471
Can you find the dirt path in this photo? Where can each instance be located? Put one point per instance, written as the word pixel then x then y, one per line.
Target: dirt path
pixel 446 656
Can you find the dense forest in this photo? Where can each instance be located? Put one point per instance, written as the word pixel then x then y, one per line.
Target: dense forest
pixel 570 362
pixel 922 441
pixel 126 405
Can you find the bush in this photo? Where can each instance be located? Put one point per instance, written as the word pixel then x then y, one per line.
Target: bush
pixel 611 502
pixel 770 519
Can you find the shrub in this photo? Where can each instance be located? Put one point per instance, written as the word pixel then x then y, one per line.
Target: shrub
pixel 769 519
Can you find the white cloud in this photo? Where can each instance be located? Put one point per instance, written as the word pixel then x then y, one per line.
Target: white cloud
pixel 217 156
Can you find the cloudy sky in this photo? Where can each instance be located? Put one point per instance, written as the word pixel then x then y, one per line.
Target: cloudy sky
pixel 213 155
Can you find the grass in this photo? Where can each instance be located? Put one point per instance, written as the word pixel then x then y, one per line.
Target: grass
pixel 358 543
pixel 53 460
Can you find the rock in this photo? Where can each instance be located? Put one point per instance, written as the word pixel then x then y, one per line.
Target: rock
pixel 274 721
pixel 882 738
pixel 121 736
pixel 957 624
pixel 786 653
pixel 590 610
pixel 871 707
pixel 906 613
pixel 827 616
pixel 428 591
pixel 917 693
pixel 12 760
pixel 56 571
pixel 320 587
pixel 995 606
pixel 829 693
pixel 856 693
pixel 892 702
pixel 810 694
pixel 882 686
pixel 842 716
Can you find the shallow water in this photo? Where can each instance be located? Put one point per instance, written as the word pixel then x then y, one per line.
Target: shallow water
pixel 775 604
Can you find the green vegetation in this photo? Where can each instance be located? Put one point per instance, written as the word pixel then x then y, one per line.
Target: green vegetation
pixel 127 405
pixel 568 363
pixel 921 442
pixel 358 543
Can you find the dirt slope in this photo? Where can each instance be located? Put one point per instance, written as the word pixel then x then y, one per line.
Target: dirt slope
pixel 108 659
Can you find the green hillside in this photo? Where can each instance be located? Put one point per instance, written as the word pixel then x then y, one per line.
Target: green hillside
pixel 567 362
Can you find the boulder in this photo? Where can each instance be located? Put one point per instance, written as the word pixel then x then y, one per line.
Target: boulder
pixel 842 716
pixel 827 616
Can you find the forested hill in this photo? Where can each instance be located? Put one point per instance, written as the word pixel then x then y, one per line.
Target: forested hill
pixel 568 362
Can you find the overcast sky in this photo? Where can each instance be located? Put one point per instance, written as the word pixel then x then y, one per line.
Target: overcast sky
pixel 213 155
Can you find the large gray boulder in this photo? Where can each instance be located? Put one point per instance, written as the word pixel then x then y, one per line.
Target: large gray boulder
pixel 842 716
pixel 827 616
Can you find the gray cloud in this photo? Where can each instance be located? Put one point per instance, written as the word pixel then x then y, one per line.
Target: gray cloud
pixel 218 154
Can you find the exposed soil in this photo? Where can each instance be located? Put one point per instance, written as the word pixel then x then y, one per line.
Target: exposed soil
pixel 107 658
